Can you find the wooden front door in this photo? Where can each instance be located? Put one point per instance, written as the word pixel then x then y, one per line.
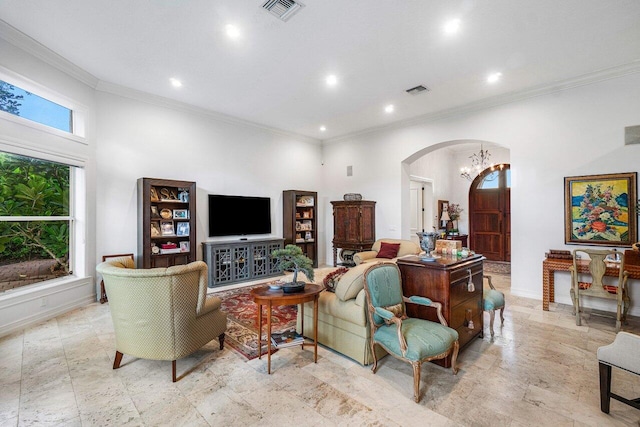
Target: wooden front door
pixel 490 214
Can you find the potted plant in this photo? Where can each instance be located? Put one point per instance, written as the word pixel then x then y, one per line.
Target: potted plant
pixel 291 258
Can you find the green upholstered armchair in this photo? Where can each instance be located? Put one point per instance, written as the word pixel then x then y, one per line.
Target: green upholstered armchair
pixel 161 313
pixel 410 339
pixel 493 300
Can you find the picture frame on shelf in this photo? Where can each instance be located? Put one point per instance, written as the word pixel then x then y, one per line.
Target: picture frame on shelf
pixel 166 228
pixel 155 214
pixel 305 201
pixel 601 209
pixel 180 214
pixel 155 229
pixel 185 247
pixel 182 229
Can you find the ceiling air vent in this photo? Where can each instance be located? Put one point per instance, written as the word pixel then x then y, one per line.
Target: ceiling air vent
pixel 282 9
pixel 418 89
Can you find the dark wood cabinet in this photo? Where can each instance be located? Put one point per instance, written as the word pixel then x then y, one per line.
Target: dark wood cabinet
pixel 166 217
pixel 354 226
pixel 237 261
pixel 446 281
pixel 300 221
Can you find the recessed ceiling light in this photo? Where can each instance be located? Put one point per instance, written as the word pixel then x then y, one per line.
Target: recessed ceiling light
pixel 492 78
pixel 452 27
pixel 323 128
pixel 389 108
pixel 331 80
pixel 232 31
pixel 175 82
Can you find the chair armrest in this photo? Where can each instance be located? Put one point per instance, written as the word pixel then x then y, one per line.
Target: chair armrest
pixel 361 257
pixel 419 300
pixel 428 303
pixel 489 280
pixel 384 313
pixel 211 303
pixel 389 317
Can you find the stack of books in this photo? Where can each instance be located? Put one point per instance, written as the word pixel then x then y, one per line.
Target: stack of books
pixel 286 339
pixel 558 254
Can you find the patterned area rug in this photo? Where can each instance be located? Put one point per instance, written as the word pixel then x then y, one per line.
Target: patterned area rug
pixel 497 267
pixel 242 316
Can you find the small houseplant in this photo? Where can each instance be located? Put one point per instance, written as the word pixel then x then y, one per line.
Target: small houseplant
pixel 291 258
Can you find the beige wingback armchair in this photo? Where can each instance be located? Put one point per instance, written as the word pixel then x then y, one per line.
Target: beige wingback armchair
pixel 161 313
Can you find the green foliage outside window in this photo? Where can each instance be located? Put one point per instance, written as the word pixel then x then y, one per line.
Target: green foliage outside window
pixel 33 187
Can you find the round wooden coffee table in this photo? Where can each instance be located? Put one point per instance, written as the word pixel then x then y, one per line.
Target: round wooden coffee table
pixel 264 295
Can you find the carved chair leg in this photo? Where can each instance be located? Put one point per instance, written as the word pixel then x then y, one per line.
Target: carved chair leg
pixel 117 360
pixel 221 340
pixel 605 387
pixel 416 381
pixel 173 370
pixel 492 315
pixel 502 315
pixel 374 368
pixel 454 357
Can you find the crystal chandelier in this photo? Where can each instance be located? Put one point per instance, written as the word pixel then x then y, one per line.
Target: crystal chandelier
pixel 479 162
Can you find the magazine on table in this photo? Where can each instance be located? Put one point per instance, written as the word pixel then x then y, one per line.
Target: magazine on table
pixel 286 339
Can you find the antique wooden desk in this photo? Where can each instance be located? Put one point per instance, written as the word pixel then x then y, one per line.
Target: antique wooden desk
pixel 550 266
pixel 445 280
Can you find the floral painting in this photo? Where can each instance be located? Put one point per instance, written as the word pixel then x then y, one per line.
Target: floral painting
pixel 601 210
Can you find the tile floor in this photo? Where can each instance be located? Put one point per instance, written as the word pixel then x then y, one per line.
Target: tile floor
pixel 540 369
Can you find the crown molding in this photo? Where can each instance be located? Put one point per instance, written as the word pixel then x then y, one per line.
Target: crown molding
pixel 546 89
pixel 38 50
pixel 161 101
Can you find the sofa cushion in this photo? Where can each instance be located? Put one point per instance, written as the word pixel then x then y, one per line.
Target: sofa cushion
pixel 407 247
pixel 351 283
pixel 388 250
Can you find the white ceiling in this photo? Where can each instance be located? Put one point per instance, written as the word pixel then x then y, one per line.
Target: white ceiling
pixel 274 74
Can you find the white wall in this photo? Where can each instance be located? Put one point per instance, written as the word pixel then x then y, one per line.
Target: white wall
pixel 34 303
pixel 140 139
pixel 572 132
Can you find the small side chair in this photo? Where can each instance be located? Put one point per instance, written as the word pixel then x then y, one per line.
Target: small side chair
pixel 596 287
pixel 623 353
pixel 493 300
pixel 409 339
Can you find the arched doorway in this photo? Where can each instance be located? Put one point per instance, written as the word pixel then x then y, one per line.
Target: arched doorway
pixel 490 213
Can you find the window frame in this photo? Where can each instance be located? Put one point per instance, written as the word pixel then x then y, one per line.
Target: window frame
pixel 78 111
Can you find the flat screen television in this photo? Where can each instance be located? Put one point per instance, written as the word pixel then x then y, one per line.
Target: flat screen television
pixel 238 215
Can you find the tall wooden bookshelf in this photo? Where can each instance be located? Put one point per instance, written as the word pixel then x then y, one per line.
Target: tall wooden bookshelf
pixel 166 222
pixel 300 221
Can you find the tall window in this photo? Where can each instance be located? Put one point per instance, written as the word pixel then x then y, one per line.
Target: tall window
pixel 36 220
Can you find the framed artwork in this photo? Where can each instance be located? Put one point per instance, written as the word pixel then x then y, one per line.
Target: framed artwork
pixel 166 228
pixel 154 212
pixel 184 247
pixel 443 205
pixel 180 214
pixel 601 209
pixel 155 229
pixel 182 229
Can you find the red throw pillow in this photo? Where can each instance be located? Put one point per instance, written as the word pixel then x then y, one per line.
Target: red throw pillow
pixel 388 250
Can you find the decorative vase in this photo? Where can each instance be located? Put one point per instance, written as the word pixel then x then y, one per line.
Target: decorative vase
pixel 352 197
pixel 599 226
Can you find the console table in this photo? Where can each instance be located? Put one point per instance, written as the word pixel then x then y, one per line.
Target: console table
pixel 445 280
pixel 240 260
pixel 550 266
